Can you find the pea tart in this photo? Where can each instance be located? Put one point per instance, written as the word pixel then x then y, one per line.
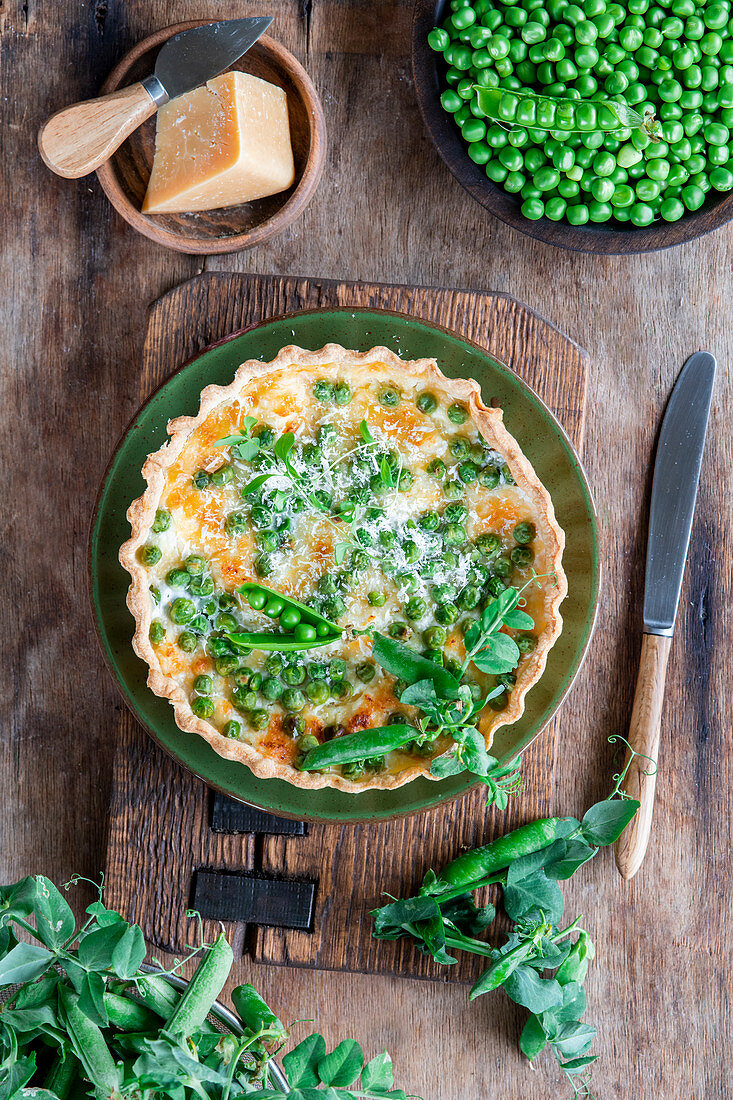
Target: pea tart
pixel 321 500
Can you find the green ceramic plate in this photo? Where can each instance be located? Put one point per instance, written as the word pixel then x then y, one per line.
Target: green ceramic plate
pixel 543 441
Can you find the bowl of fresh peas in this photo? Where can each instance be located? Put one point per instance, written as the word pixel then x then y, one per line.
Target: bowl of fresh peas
pixel 596 126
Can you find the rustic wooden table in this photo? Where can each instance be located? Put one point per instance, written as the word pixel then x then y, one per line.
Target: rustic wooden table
pixel 77 282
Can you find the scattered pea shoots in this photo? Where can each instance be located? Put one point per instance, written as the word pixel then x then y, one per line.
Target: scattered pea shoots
pixel 448 707
pixel 82 1018
pixel 303 628
pixel 527 863
pixel 609 115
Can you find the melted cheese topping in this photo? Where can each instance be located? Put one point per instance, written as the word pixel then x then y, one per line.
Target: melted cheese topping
pixel 373 569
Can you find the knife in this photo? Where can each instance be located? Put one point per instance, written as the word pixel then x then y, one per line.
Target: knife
pixel 674 491
pixel 76 140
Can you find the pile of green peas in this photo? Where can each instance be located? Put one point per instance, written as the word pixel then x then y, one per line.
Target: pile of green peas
pixel 673 59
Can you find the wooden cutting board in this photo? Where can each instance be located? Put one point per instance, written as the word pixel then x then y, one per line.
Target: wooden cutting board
pixel 293 894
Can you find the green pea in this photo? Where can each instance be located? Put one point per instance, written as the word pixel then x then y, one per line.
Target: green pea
pixel 236 523
pixel 182 611
pixel 522 556
pixel 263 565
pixel 161 522
pixel 533 209
pixel 459 446
pixel 416 608
pixel 398 630
pixel 446 613
pixel 150 555
pixel 405 480
pixel 156 633
pixel 202 707
pixel 317 692
pixel 232 729
pixel 342 394
pixel 499 702
pixel 468 472
pixel 366 672
pixel 222 476
pixel 274 607
pixel 293 699
pixel 187 642
pixel 203 685
pixel 272 688
pixel 341 689
pixel 305 632
pixel 289 618
pixel 468 598
pixel 201 480
pixel 457 413
pixel 426 402
pixel 488 543
pixel 453 489
pixel 693 196
pixel 293 675
pixel 489 477
pixel 525 532
pixel 503 566
pixel 389 396
pixel 435 637
pixel 323 390
pixel 526 643
pixel 454 534
pixel 226 665
pixel 259 719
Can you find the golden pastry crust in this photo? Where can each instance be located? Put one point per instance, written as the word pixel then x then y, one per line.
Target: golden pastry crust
pixel 141 515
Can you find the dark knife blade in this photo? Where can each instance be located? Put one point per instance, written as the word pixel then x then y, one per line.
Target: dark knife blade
pixel 195 56
pixel 674 490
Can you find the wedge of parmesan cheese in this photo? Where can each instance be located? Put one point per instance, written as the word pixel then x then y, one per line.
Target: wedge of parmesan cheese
pixel 221 144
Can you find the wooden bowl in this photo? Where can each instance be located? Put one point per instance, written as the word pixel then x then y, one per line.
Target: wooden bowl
pixel 125 176
pixel 611 238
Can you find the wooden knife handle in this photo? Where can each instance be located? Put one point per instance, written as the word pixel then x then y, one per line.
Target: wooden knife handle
pixel 76 140
pixel 646 718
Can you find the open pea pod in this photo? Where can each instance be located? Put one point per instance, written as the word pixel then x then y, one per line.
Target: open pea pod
pixel 533 110
pixel 301 626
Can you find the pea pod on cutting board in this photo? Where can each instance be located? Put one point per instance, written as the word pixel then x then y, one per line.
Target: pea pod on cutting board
pixel 303 628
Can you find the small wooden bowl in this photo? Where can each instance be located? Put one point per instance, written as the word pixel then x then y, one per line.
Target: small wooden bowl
pixel 124 178
pixel 610 238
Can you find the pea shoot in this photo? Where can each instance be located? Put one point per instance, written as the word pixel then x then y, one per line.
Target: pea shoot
pixel 527 864
pixel 84 1017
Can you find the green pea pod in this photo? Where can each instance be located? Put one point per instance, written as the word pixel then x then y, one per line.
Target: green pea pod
pixel 128 1015
pixel 255 1014
pixel 89 1044
pixel 575 966
pixel 201 992
pixel 480 863
pixel 62 1075
pixel 157 994
pixel 504 966
pixel 573 116
pixel 358 746
pixel 306 629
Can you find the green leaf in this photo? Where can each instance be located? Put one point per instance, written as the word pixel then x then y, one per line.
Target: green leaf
pixel 448 764
pixel 399 917
pixel 340 551
pixel 377 1075
pixel 574 1039
pixel 96 948
pixel 16 1076
pixel 422 694
pixel 32 1022
pixel 248 449
pixel 574 1065
pixel 577 853
pixel 18 899
pixel 604 822
pixel 475 756
pixel 54 919
pixel 467 917
pixel 24 963
pixel 129 953
pixel 248 423
pixel 104 917
pixel 574 1003
pixel 385 472
pixel 91 999
pixel 256 483
pixel 284 446
pixel 406 664
pixel 526 987
pixel 301 1063
pixel 575 967
pixel 533 1040
pixel 528 865
pixel 226 440
pixel 536 891
pixel 343 1065
pixel 366 435
pixel 499 654
pixel 518 620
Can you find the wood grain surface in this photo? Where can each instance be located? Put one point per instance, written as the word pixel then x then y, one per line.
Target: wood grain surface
pixel 151 879
pixel 77 281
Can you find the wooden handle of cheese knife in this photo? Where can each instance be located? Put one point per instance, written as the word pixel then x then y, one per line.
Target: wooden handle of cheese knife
pixel 641 778
pixel 76 140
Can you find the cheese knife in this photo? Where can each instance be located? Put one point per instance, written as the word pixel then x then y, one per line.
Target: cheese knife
pixel 77 139
pixel 674 492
